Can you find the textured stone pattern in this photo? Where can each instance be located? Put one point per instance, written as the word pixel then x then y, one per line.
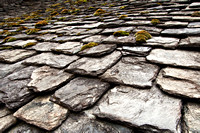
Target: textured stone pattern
pixel 54 81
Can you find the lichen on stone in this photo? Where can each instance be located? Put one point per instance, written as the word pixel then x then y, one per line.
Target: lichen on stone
pixel 155 21
pixel 32 31
pixel 196 14
pixel 9 39
pixel 99 12
pixel 121 33
pixel 123 16
pixel 29 44
pixel 142 36
pixel 89 45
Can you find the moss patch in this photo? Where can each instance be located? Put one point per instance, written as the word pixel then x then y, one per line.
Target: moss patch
pixel 9 39
pixel 29 44
pixel 144 12
pixel 99 12
pixel 121 33
pixel 196 14
pixel 142 36
pixel 123 16
pixel 89 45
pixel 41 23
pixel 32 31
pixel 22 28
pixel 155 21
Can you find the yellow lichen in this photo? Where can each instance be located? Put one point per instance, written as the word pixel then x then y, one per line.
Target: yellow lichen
pixel 122 7
pixel 32 31
pixel 6 47
pixel 155 21
pixel 56 5
pixel 123 16
pixel 99 12
pixel 29 44
pixel 41 23
pixel 89 45
pixel 196 14
pixel 121 33
pixel 12 24
pixel 9 39
pixel 64 11
pixel 142 36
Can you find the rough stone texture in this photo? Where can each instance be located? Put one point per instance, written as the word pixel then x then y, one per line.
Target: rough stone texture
pixel 80 93
pixel 44 46
pixel 13 89
pixel 6 119
pixel 134 71
pixel 174 24
pixel 68 47
pixel 99 50
pixel 151 30
pixel 191 117
pixel 175 57
pixel 194 24
pixel 120 40
pixel 137 50
pixel 163 41
pixel 12 56
pixel 93 66
pixel 146 109
pixel 46 37
pixel 95 38
pixel 54 60
pixel 179 32
pixel 181 82
pixel 69 38
pixel 48 79
pixel 42 113
pixel 111 31
pixel 192 41
pixel 19 43
pixel 81 124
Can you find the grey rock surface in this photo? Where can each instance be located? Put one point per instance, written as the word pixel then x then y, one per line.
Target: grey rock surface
pixel 95 38
pixel 42 113
pixel 19 43
pixel 137 50
pixel 179 32
pixel 80 93
pixel 134 71
pixel 192 41
pixel 48 79
pixel 44 46
pixel 93 66
pixel 125 40
pixel 183 58
pixel 53 60
pixel 141 108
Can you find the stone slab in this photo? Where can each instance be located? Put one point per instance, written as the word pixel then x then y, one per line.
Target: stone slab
pixel 46 37
pixel 95 38
pixel 123 40
pixel 44 46
pixel 183 31
pixel 19 43
pixel 192 41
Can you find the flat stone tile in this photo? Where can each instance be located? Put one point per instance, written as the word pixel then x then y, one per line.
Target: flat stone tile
pixel 94 66
pixel 123 40
pixel 42 113
pixel 137 50
pixel 151 30
pixel 13 88
pixel 133 71
pixel 142 109
pixel 90 26
pixel 12 56
pixel 48 79
pixel 80 93
pixel 46 37
pixel 77 123
pixel 68 48
pixel 137 23
pixel 183 58
pixel 192 41
pixel 167 42
pixel 186 18
pixel 44 46
pixel 176 24
pixel 69 38
pixel 194 5
pixel 99 50
pixel 24 36
pixel 19 43
pixel 112 30
pixel 183 31
pixel 95 38
pixel 170 80
pixel 50 59
pixel 191 117
pixel 194 25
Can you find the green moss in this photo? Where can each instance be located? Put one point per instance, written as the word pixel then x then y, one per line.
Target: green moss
pixel 29 44
pixel 32 31
pixel 6 47
pixel 56 5
pixel 12 24
pixel 62 18
pixel 122 7
pixel 144 12
pixel 155 21
pixel 142 36
pixel 41 23
pixel 12 19
pixel 121 33
pixel 123 16
pixel 196 14
pixel 21 28
pixel 9 39
pixel 89 45
pixel 99 12
pixel 64 11
pixel 54 13
pixel 104 4
pixel 111 5
pixel 91 7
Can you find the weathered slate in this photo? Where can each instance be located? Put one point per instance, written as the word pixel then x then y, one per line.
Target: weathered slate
pixel 124 40
pixel 44 46
pixel 192 41
pixel 19 43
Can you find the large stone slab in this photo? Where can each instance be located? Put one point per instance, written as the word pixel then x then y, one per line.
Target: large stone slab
pixel 80 93
pixel 168 42
pixel 124 40
pixel 183 58
pixel 68 47
pixel 134 71
pixel 81 123
pixel 54 60
pixel 192 41
pixel 191 117
pixel 99 50
pixel 6 119
pixel 13 88
pixel 69 38
pixel 44 46
pixel 145 109
pixel 180 32
pixel 48 79
pixel 42 113
pixel 136 50
pixel 95 38
pixel 180 82
pixel 151 30
pixel 94 66
pixel 12 56
pixel 19 43
pixel 186 18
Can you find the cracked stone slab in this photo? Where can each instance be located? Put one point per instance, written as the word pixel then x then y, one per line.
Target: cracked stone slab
pixel 46 37
pixel 170 80
pixel 124 40
pixel 168 42
pixel 192 41
pixel 68 48
pixel 50 59
pixel 19 43
pixel 183 31
pixel 183 58
pixel 42 113
pixel 80 93
pixel 137 50
pixel 145 109
pixel 99 50
pixel 13 88
pixel 6 119
pixel 48 79
pixel 12 56
pixel 44 46
pixel 95 38
pixel 191 117
pixel 94 66
pixel 134 71
pixel 77 123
